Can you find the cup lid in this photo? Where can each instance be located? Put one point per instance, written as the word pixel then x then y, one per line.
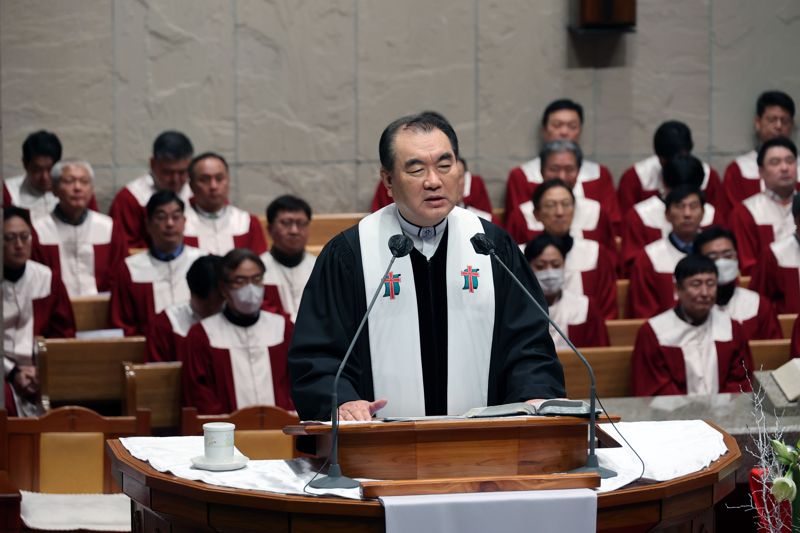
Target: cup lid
pixel 218 426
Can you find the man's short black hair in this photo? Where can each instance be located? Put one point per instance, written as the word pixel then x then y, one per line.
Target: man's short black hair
pixel 287 202
pixel 546 186
pixel 206 155
pixel 683 169
pixel 560 105
pixel 202 275
pixel 426 121
pixel 14 211
pixel 774 98
pixel 694 264
pixel 536 246
pixel 160 198
pixel 41 143
pixel 172 145
pixel 236 257
pixel 679 193
pixel 672 138
pixel 712 233
pixel 772 143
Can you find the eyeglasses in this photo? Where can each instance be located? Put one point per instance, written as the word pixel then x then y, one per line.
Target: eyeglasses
pixel 287 223
pixel 162 217
pixel 22 237
pixel 779 120
pixel 237 282
pixel 727 254
pixel 550 206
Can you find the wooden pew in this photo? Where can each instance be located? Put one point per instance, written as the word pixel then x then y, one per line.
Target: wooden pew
pixel 787 324
pixel 154 386
pixel 622 296
pixel 75 371
pixel 91 312
pixel 612 370
pixel 622 332
pixel 770 354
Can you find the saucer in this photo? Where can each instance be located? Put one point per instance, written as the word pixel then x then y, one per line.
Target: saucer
pixel 201 462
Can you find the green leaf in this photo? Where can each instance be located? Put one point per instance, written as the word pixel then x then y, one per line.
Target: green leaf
pixel 783 453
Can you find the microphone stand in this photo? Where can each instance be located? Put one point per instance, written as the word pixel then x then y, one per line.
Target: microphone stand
pixel 592 464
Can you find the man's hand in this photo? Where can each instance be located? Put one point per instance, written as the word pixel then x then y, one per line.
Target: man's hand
pixel 26 382
pixel 360 409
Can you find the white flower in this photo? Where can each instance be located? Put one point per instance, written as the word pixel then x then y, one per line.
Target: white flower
pixel 783 488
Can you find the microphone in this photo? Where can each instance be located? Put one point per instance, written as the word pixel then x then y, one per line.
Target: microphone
pixel 484 246
pixel 400 246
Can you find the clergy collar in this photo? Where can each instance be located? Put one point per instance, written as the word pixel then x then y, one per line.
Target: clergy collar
pixel 237 319
pixel 685 247
pixel 426 233
pixel 683 316
pixel 167 256
pixel 208 215
pixel 772 195
pixel 13 274
pixel 287 260
pixel 60 215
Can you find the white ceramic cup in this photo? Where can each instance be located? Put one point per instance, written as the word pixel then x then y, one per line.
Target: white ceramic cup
pixel 218 440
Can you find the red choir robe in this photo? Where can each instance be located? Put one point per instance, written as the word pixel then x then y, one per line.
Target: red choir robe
pixel 777 275
pixel 643 180
pixel 286 284
pixel 754 313
pixel 231 367
pixel 589 222
pixel 128 209
pixel 16 191
pixel 83 256
pixel 652 289
pixel 144 286
pixel 166 337
pixel 233 228
pixel 590 270
pixel 647 222
pixel 742 179
pixel 475 196
pixel 795 346
pixel 594 181
pixel 673 357
pixel 757 222
pixel 578 317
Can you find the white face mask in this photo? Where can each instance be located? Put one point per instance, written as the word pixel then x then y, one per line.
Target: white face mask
pixel 727 270
pixel 551 280
pixel 247 300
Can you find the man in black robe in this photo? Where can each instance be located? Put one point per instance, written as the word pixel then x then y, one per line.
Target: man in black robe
pixel 418 159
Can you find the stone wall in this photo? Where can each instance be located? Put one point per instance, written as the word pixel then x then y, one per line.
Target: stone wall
pixel 295 93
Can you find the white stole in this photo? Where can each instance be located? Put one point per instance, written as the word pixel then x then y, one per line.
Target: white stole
pixel 394 321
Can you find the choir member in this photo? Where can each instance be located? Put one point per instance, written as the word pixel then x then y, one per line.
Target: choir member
pixel 751 310
pixel 563 120
pixel 237 358
pixel 575 313
pixel 766 216
pixel 81 246
pixel 167 336
pixel 212 223
pixel 774 118
pixel 561 160
pixel 644 180
pixel 287 262
pixel 652 289
pixel 35 303
pixel 169 171
pixel 777 274
pixel 148 282
pixel 693 348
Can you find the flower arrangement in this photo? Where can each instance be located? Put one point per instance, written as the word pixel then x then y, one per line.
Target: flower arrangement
pixel 784 486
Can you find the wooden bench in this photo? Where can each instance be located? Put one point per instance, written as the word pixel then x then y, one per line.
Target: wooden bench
pixel 157 387
pixel 770 354
pixel 91 312
pixel 75 371
pixel 622 296
pixel 622 331
pixel 787 324
pixel 612 371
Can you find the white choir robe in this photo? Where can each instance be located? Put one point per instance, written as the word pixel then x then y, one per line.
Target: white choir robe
pixel 777 275
pixel 129 209
pixel 233 228
pixel 167 335
pixel 672 356
pixel 229 367
pixel 145 286
pixel 742 179
pixel 577 316
pixel 18 192
pixel 652 289
pixel 754 313
pixel 287 282
pixel 590 270
pixel 83 256
pixel 757 222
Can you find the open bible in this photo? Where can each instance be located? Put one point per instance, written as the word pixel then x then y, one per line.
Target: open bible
pixel 554 407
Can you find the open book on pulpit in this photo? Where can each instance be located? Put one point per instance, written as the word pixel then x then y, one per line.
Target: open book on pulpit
pixel 554 407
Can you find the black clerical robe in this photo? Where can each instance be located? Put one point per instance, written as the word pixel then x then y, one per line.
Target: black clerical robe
pixel 523 362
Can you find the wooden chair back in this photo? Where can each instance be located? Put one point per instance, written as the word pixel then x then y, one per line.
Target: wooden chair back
pixel 84 370
pixel 154 386
pixel 63 451
pixel 622 332
pixel 612 371
pixel 787 324
pixel 770 354
pixel 91 312
pixel 622 296
pixel 259 430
